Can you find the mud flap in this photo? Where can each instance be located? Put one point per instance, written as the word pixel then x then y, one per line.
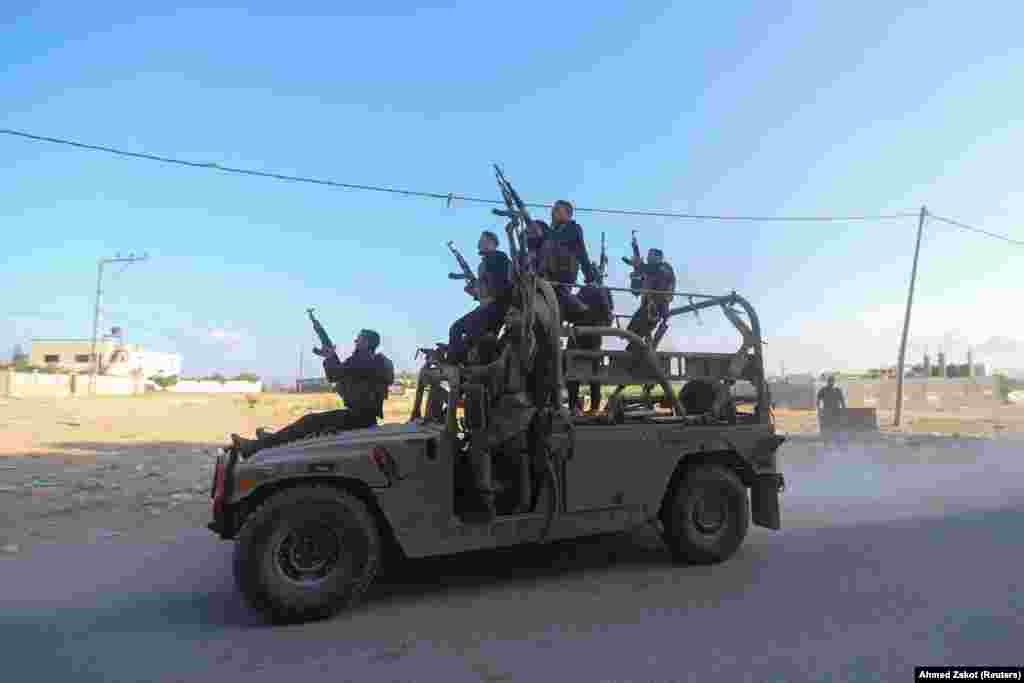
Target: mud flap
pixel 764 501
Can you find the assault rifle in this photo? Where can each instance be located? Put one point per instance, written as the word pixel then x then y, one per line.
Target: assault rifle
pixel 467 272
pixel 516 206
pixel 636 278
pixel 519 219
pixel 326 350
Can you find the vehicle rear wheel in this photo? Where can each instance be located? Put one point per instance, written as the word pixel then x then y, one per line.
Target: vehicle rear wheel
pixel 707 516
pixel 307 553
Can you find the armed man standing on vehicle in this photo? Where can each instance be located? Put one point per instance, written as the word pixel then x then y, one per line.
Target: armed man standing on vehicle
pixel 493 291
pixel 362 380
pixel 656 274
pixel 562 253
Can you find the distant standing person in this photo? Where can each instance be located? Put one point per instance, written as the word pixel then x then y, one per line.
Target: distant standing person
pixel 830 406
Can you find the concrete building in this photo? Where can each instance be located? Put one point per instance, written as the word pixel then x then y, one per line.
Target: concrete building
pixel 116 358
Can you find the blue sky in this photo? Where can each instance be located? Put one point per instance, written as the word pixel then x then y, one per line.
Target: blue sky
pixel 763 108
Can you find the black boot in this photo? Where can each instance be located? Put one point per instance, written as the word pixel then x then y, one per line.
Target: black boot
pixel 262 434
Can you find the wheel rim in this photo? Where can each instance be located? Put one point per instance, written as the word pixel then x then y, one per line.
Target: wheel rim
pixel 308 555
pixel 710 512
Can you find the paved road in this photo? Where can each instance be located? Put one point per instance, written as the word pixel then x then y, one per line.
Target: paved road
pixel 921 565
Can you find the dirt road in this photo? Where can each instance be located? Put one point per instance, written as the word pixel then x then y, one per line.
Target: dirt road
pixel 884 564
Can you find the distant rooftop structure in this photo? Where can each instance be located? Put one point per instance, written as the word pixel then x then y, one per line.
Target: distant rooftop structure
pixel 115 357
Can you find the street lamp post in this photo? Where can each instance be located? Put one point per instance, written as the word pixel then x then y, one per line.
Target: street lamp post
pixel 131 258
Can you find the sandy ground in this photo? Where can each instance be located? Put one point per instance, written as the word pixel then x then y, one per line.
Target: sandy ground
pixel 90 469
pixel 82 470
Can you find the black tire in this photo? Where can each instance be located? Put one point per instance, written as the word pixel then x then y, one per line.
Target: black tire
pixel 707 516
pixel 307 553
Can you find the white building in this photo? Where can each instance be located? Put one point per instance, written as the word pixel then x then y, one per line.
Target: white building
pixel 116 358
pixel 126 362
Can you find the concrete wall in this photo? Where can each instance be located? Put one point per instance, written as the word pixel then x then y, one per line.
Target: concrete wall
pixel 923 394
pixel 108 386
pixel 206 387
pixel 39 385
pixel 793 396
pixel 36 385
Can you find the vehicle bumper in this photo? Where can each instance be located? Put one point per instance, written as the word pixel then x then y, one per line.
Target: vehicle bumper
pixel 764 500
pixel 222 523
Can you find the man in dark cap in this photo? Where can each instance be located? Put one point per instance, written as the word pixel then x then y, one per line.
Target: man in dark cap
pixel 562 254
pixel 362 381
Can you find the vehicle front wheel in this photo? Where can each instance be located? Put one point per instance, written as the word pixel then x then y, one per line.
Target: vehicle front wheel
pixel 707 516
pixel 307 553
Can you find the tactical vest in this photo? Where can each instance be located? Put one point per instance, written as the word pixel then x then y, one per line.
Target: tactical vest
pixel 488 289
pixel 558 258
pixel 662 278
pixel 364 395
pixel 360 395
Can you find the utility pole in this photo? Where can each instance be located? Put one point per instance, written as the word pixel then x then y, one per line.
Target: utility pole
pixel 906 322
pixel 131 258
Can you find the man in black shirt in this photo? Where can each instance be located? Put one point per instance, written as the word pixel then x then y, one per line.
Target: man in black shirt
pixel 656 274
pixel 562 254
pixel 830 405
pixel 362 380
pixel 494 292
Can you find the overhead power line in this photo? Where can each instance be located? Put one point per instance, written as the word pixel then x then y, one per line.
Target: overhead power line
pixel 448 197
pixel 964 226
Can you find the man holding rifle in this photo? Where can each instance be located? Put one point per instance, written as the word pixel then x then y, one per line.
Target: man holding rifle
pixel 362 381
pixel 656 274
pixel 562 254
pixel 493 289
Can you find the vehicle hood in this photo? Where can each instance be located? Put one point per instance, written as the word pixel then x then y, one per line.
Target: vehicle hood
pixel 356 440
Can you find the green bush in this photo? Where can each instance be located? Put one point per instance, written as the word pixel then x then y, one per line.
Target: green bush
pixel 164 382
pixel 1002 387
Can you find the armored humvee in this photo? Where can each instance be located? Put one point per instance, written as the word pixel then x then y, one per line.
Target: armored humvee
pixel 314 519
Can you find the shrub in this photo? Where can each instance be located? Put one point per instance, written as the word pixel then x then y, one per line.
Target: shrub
pixel 164 382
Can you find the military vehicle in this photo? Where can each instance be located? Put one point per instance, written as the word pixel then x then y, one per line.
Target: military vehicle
pixel 314 520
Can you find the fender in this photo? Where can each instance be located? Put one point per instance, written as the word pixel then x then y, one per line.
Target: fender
pixel 359 466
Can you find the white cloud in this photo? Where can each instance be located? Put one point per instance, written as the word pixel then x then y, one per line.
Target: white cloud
pixel 225 336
